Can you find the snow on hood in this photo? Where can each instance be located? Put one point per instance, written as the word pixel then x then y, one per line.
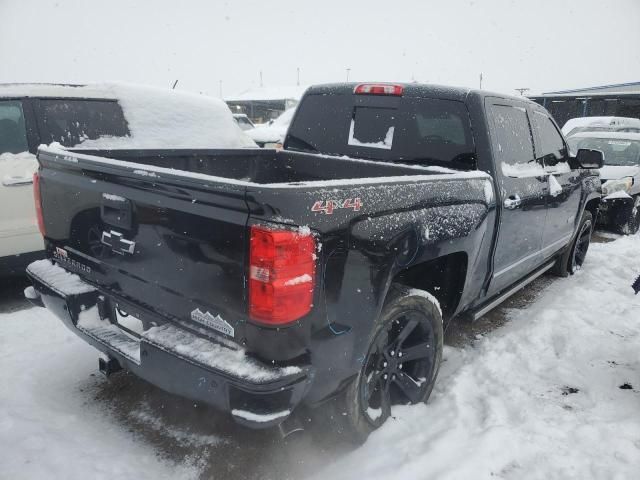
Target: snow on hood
pixel 274 132
pixel 615 172
pixel 163 118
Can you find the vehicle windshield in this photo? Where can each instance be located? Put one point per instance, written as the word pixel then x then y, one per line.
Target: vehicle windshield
pixel 418 130
pixel 617 151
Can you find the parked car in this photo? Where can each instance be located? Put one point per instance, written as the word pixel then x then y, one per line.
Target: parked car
pixel 105 116
pixel 243 121
pixel 620 209
pixel 271 134
pixel 600 124
pixel 259 281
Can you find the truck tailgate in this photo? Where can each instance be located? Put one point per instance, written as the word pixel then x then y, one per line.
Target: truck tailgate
pixel 178 242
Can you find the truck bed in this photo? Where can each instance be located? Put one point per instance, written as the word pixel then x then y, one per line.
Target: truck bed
pixel 166 232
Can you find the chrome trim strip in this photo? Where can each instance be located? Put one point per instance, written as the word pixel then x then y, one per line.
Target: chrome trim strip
pixel 511 291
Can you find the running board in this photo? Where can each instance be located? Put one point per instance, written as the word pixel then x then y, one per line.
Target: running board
pixel 517 287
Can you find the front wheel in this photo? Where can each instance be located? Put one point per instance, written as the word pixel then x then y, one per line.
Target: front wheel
pixel 626 219
pixel 571 261
pixel 402 363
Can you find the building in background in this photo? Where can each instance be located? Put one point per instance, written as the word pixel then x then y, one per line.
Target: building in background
pixel 621 100
pixel 265 103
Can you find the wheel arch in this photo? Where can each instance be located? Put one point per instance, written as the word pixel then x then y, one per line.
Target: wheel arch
pixel 443 277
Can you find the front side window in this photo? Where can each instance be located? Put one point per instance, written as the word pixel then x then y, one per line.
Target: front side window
pixel 13 133
pixel 550 148
pixel 512 139
pixel 71 121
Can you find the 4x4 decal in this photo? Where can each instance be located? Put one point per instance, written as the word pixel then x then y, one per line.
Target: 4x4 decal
pixel 328 206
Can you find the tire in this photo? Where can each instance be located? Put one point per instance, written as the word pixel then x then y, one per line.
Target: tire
pixel 410 325
pixel 571 260
pixel 626 219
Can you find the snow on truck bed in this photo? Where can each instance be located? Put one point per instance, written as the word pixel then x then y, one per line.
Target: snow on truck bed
pixel 539 398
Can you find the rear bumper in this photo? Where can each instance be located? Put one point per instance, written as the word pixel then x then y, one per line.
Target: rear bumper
pixel 255 394
pixel 14 265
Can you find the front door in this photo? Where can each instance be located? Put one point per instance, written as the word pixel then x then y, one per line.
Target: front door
pixel 18 228
pixel 522 187
pixel 563 196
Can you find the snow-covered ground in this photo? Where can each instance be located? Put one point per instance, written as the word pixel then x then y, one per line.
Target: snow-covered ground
pixel 537 398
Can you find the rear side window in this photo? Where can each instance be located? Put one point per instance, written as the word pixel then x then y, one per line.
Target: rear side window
pixel 424 130
pixel 550 147
pixel 13 134
pixel 71 121
pixel 512 137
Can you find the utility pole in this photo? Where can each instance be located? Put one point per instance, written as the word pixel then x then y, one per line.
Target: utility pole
pixel 348 70
pixel 298 80
pixel 522 90
pixel 261 78
pixel 480 80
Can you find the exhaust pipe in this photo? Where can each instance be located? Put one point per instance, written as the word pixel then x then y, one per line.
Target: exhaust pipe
pixel 108 366
pixel 289 426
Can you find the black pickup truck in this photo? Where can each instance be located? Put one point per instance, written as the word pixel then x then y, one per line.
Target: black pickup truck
pixel 260 280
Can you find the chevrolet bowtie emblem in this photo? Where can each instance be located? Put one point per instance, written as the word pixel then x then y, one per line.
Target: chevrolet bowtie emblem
pixel 118 243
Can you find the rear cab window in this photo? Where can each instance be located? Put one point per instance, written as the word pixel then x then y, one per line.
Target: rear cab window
pixel 429 131
pixel 72 121
pixel 512 140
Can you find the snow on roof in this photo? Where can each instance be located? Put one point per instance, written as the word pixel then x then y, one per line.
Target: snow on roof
pixel 268 93
pixel 609 135
pixel 54 90
pixel 574 123
pixel 157 117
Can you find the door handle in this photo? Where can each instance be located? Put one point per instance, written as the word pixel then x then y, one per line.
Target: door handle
pixel 512 202
pixel 16 181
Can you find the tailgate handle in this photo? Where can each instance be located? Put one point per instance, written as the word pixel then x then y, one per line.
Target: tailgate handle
pixel 116 211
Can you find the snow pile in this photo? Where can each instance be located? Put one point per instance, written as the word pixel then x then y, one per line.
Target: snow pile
pixel 274 131
pixel 221 358
pixel 162 118
pixel 50 426
pixel 553 394
pixel 555 188
pixel 58 279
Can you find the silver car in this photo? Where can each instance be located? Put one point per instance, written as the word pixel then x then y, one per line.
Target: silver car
pixel 620 175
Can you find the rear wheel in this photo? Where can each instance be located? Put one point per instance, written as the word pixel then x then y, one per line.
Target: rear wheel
pixel 401 365
pixel 571 261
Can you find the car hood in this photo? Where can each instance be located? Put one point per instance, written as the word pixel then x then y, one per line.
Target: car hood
pixel 267 134
pixel 614 172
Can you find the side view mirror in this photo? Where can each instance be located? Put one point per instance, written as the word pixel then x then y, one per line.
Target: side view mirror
pixel 588 158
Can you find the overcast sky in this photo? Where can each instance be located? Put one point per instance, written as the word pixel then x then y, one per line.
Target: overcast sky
pixel 544 45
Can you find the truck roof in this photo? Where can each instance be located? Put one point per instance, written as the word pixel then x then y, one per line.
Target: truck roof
pixel 418 90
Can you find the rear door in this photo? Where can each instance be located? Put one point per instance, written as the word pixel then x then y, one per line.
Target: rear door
pixel 18 229
pixel 522 189
pixel 563 195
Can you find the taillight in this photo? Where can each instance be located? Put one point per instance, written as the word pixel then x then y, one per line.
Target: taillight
pixel 38 201
pixel 378 89
pixel 281 275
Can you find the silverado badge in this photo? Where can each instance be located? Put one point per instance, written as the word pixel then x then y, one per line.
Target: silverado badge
pixel 208 320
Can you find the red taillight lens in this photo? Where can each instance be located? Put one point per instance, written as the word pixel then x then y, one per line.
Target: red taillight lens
pixel 378 89
pixel 38 201
pixel 281 275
